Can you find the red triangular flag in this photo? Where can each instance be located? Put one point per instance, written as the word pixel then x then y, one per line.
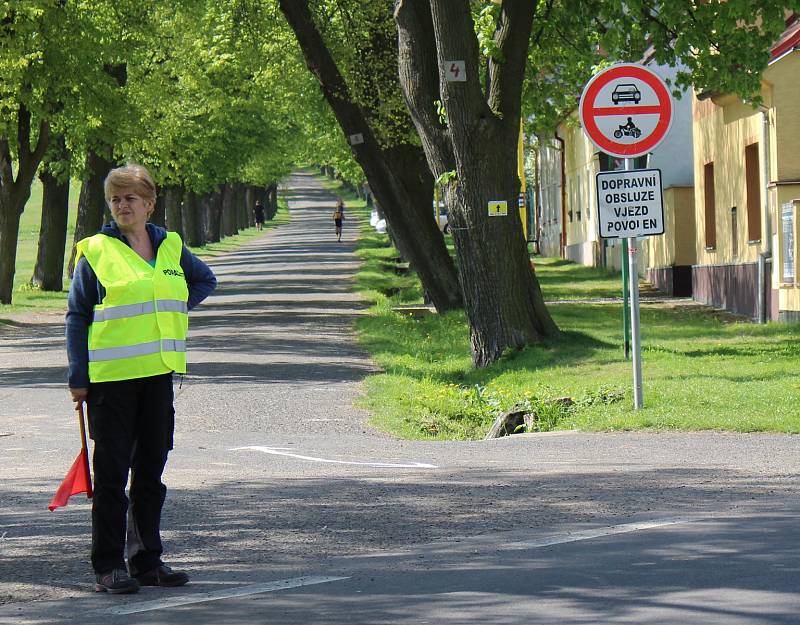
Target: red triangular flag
pixel 77 481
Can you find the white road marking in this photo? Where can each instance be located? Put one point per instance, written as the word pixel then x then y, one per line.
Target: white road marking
pixel 276 452
pixel 598 532
pixel 499 543
pixel 242 591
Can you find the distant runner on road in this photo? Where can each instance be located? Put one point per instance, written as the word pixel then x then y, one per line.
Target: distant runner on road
pixel 258 213
pixel 338 218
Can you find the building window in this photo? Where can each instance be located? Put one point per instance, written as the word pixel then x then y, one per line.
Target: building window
pixel 734 233
pixel 710 206
pixel 753 192
pixel 787 226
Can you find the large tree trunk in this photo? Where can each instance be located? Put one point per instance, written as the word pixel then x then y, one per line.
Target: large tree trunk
pixel 244 218
pixel 250 197
pixel 212 202
pixel 159 216
pixel 270 201
pixel 228 211
pixel 418 240
pixel 11 206
pixel 49 270
pixel 92 200
pixel 503 300
pixel 173 196
pixel 14 193
pixel 192 223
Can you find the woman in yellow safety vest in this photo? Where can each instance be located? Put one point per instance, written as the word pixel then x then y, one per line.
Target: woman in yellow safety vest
pixel 127 318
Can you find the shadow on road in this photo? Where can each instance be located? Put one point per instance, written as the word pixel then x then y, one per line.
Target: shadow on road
pixel 272 525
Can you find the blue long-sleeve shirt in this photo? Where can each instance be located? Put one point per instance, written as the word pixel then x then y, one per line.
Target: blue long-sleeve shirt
pixel 86 292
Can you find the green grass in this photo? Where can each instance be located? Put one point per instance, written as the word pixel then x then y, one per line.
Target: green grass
pixel 27 299
pixel 563 280
pixel 702 370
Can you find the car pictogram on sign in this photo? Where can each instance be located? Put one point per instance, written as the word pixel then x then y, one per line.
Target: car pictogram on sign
pixel 626 93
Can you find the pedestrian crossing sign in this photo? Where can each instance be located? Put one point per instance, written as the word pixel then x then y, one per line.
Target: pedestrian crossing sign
pixel 498 208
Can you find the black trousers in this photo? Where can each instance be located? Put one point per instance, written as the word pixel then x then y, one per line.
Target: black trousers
pixel 131 423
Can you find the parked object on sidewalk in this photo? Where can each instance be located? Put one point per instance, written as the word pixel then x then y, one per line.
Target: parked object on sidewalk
pixel 442 219
pixel 127 320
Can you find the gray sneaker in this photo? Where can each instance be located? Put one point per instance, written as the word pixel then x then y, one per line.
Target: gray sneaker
pixel 162 575
pixel 117 582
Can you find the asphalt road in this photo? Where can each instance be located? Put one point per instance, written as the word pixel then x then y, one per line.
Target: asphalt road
pixel 286 507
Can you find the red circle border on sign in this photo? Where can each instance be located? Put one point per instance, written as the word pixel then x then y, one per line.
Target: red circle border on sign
pixel 614 148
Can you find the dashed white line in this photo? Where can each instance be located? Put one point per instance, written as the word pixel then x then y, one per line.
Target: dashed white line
pixel 391 465
pixel 242 591
pixel 599 532
pixel 502 543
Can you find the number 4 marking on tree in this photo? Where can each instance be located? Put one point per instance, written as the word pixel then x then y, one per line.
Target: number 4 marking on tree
pixel 455 71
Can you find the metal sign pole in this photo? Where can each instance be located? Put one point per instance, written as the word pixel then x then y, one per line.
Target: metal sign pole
pixel 633 276
pixel 626 311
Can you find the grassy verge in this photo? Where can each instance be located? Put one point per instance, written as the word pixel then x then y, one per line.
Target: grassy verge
pixel 702 370
pixel 27 299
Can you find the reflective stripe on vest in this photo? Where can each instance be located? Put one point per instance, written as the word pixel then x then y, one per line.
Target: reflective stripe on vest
pixel 139 329
pixel 134 310
pixel 142 349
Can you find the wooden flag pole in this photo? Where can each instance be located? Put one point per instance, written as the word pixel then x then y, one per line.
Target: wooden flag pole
pixel 85 449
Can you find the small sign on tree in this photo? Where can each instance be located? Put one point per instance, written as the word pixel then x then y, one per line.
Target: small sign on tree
pixel 498 208
pixel 455 71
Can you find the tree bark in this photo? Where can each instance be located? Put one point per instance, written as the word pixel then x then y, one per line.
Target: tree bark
pixel 159 216
pixel 173 197
pixel 14 193
pixel 229 228
pixel 418 240
pixel 49 270
pixel 212 204
pixel 244 218
pixel 270 201
pixel 192 223
pixel 92 200
pixel 503 300
pixel 250 195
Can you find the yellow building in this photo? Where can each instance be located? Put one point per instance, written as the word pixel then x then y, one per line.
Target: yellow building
pixel 747 176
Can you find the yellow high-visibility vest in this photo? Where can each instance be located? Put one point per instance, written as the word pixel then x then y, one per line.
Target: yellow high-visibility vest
pixel 139 330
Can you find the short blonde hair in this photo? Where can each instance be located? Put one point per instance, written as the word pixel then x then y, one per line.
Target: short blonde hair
pixel 132 176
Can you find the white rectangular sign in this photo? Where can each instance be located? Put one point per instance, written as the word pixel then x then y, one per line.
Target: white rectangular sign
pixel 455 71
pixel 630 203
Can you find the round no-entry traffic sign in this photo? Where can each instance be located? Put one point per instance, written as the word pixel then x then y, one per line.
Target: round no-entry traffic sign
pixel 626 110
